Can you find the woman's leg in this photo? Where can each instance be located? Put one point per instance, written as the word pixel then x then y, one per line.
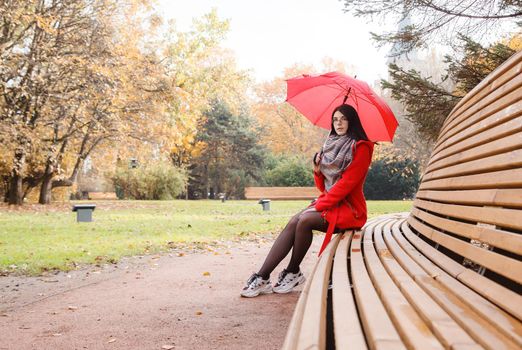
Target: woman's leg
pixel 281 247
pixel 303 237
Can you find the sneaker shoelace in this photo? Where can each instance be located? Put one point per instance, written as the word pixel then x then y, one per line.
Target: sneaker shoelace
pixel 253 281
pixel 283 277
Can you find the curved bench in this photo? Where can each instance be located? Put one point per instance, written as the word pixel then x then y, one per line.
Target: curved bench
pixel 448 274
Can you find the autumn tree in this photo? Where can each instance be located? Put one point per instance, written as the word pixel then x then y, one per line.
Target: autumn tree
pixel 200 71
pixel 51 54
pixel 76 75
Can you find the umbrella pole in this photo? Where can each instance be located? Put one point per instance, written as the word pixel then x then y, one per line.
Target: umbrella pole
pixel 346 96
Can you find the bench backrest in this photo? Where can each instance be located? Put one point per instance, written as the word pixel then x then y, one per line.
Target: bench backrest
pixel 281 192
pixel 469 203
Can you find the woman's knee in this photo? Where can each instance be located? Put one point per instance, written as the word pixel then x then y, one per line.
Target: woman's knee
pixel 308 221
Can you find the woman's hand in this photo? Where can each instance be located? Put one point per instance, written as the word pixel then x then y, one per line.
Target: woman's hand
pixel 317 163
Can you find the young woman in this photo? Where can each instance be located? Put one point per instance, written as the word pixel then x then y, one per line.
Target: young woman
pixel 339 171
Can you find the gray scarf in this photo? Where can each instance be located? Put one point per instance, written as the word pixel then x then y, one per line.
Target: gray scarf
pixel 337 155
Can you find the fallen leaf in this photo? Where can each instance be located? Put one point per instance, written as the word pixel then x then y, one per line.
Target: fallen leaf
pixel 206 273
pixel 199 313
pixel 167 347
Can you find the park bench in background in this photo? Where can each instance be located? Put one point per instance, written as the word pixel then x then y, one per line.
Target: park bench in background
pixel 102 195
pixel 448 274
pixel 273 193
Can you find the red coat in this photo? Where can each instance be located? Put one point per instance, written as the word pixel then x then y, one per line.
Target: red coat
pixel 344 206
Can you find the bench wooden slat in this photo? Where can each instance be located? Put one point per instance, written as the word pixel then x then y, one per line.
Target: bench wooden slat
pixel 501 98
pixel 412 329
pixel 491 294
pixel 503 217
pixel 483 121
pixel 403 270
pixel 495 179
pixel 502 74
pixel 490 197
pixel 378 327
pixel 347 327
pixel 502 161
pixel 497 95
pixel 485 322
pixel 512 242
pixel 274 193
pixel 313 326
pixel 504 108
pixel 498 139
pixel 462 117
pixel 485 148
pixel 505 266
pixel 292 334
pixel 481 330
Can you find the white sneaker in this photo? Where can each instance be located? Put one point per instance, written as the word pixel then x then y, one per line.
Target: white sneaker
pixel 288 281
pixel 256 285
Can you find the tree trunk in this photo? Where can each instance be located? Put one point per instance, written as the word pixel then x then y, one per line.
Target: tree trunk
pixel 5 185
pixel 46 189
pixel 16 193
pixel 204 195
pixel 16 190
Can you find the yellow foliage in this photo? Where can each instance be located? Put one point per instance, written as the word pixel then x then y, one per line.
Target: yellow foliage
pixel 514 42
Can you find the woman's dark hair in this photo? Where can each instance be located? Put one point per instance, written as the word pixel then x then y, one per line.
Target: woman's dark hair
pixel 355 129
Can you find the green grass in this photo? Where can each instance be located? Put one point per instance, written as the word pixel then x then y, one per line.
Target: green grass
pixel 32 242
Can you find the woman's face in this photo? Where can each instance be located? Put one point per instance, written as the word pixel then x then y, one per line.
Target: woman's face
pixel 340 123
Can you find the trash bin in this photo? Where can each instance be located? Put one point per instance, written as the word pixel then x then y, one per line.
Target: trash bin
pixel 84 212
pixel 265 203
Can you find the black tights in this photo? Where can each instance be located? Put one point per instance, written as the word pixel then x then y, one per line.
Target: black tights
pixel 297 235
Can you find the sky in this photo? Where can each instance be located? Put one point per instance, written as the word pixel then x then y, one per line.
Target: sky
pixel 269 35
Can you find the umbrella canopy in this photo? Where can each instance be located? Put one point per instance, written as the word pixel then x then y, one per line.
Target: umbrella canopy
pixel 317 96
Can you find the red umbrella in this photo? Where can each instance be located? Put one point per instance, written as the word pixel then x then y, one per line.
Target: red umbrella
pixel 317 96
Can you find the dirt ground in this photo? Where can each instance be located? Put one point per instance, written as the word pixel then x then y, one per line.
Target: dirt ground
pixel 169 301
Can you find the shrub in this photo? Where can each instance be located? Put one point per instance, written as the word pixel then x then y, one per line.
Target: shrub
pixel 158 180
pixel 289 171
pixel 392 178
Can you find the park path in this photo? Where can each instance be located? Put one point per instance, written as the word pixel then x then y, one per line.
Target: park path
pixel 168 301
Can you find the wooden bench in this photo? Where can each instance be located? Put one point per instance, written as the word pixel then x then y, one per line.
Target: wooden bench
pixel 275 193
pixel 102 195
pixel 448 274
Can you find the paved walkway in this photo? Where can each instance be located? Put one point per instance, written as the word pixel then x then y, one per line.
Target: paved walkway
pixel 152 302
